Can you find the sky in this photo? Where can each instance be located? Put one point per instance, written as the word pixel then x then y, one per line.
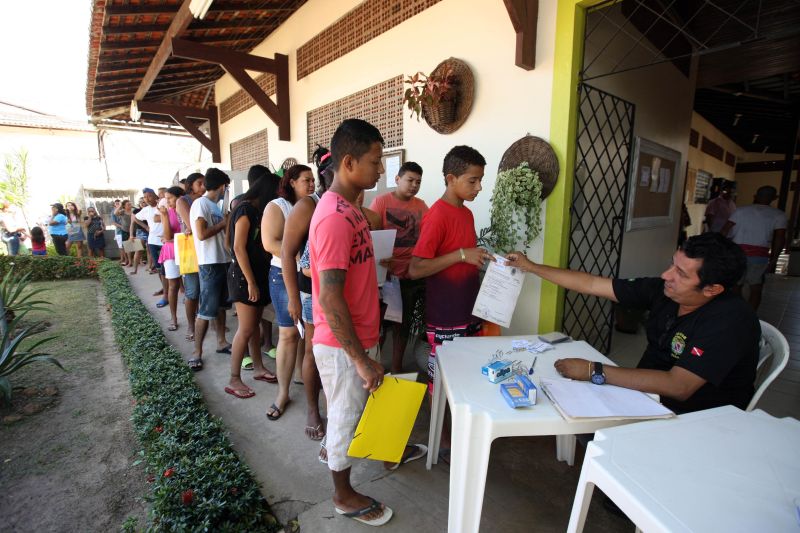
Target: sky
pixel 43 55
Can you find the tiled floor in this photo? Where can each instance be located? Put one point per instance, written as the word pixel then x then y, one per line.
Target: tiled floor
pixel 780 307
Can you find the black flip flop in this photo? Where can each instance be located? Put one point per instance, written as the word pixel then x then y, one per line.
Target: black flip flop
pixel 226 350
pixel 277 411
pixel 196 364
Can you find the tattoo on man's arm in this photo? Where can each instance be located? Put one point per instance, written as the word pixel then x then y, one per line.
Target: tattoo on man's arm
pixel 332 277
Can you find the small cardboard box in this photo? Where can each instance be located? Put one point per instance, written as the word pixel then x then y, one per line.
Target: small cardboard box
pixel 497 371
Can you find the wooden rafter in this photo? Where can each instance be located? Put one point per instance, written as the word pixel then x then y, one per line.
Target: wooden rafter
pixel 255 22
pixel 524 15
pixel 179 23
pixel 217 6
pixel 237 64
pixel 183 115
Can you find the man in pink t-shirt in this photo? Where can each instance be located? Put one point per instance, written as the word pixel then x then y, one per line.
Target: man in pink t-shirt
pixel 345 306
pixel 401 210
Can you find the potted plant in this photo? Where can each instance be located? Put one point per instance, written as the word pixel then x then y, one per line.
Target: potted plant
pixel 515 219
pixel 436 93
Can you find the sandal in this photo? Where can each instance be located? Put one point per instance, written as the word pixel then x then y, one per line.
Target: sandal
pixel 241 394
pixel 269 377
pixel 172 327
pixel 247 363
pixel 226 350
pixel 162 303
pixel 371 508
pixel 276 412
pixel 323 451
pixel 315 433
pixel 196 364
pixel 415 451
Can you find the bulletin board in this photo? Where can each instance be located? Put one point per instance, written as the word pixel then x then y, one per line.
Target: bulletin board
pixel 652 188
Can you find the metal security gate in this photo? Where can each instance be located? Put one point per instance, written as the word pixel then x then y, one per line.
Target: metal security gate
pixel 604 143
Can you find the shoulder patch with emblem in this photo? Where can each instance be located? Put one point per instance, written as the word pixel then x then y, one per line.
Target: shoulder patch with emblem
pixel 678 344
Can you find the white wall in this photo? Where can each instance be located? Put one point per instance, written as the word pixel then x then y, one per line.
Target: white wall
pixel 663 97
pixel 509 102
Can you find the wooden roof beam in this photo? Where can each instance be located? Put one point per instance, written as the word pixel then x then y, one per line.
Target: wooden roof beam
pixel 183 115
pixel 163 75
pixel 524 16
pixel 232 23
pixel 236 64
pixel 179 23
pixel 216 7
pixel 126 45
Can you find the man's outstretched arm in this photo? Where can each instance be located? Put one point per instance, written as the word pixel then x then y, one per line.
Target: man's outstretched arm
pixel 569 279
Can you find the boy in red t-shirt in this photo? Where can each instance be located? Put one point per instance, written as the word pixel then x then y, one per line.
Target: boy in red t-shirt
pixel 403 211
pixel 447 255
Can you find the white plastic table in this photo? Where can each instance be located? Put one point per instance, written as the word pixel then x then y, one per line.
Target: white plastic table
pixel 480 415
pixel 722 470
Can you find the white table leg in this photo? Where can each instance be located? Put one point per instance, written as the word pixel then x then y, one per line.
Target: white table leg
pixel 438 403
pixel 583 497
pixel 469 460
pixel 565 448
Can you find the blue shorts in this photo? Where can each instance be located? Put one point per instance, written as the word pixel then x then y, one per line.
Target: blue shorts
pixel 191 286
pixel 308 315
pixel 213 290
pixel 154 250
pixel 280 298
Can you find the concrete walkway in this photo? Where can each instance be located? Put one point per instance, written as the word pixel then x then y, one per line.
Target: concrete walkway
pixel 527 489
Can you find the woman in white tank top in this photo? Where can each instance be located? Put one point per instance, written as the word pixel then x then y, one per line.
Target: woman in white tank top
pixel 297 183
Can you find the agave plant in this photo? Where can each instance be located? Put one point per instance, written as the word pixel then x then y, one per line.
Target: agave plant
pixel 13 357
pixel 16 299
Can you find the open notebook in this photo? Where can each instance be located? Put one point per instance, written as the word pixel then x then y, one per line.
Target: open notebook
pixel 577 400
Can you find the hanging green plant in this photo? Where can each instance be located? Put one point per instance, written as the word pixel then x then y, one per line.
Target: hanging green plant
pixel 516 209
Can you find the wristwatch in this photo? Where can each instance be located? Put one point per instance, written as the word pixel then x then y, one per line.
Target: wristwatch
pixel 598 376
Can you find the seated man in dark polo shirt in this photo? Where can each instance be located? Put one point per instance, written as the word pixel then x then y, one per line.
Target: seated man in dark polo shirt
pixel 702 339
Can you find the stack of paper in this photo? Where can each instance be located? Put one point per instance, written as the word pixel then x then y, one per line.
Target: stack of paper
pixel 581 399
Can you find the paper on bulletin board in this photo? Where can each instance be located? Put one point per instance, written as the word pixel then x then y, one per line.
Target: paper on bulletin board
pixel 387 421
pixel 499 292
pixel 382 245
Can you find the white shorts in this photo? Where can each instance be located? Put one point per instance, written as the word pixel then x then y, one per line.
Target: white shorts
pixel 171 270
pixel 346 399
pixel 118 238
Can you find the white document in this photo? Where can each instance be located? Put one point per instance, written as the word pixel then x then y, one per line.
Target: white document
pixel 581 399
pixel 499 292
pixel 382 246
pixel 393 300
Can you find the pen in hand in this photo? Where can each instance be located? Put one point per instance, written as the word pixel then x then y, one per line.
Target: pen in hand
pixel 530 372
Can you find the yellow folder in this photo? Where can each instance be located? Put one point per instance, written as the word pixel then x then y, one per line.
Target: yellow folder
pixel 385 425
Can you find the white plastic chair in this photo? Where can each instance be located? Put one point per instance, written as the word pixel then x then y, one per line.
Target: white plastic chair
pixel 772 359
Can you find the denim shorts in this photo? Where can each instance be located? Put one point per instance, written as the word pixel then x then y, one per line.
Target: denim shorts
pixel 154 250
pixel 308 314
pixel 280 298
pixel 213 290
pixel 191 286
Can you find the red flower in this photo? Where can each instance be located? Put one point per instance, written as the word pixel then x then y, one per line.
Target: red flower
pixel 187 496
pixel 168 472
pixel 158 429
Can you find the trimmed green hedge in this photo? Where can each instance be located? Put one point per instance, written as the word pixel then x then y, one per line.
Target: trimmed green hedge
pixel 198 481
pixel 50 268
